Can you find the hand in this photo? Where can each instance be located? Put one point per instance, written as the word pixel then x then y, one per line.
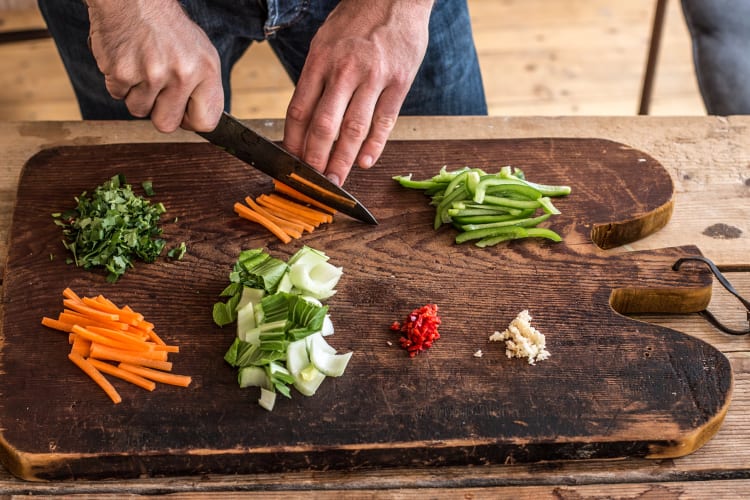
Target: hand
pixel 158 61
pixel 361 64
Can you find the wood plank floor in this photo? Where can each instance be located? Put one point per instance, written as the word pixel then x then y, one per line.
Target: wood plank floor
pixel 578 57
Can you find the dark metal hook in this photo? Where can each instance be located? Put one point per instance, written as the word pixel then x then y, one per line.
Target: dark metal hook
pixel 728 286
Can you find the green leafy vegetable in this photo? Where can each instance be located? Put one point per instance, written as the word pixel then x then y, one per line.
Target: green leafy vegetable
pixel 111 228
pixel 178 252
pixel 489 208
pixel 148 188
pixel 278 311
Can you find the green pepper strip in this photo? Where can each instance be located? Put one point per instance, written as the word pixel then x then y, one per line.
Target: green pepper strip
pixel 527 222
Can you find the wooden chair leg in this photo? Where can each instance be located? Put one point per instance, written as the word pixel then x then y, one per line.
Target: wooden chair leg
pixel 653 54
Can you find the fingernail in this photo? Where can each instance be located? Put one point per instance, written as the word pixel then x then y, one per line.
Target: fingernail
pixel 334 178
pixel 366 161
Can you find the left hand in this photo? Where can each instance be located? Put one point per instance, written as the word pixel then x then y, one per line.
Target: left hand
pixel 361 64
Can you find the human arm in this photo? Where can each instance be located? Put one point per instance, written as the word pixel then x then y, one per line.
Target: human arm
pixel 360 66
pixel 156 59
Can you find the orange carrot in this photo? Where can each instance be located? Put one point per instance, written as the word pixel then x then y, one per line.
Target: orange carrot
pixel 123 316
pixel 100 351
pixel 100 333
pixel 157 376
pixel 138 344
pixel 315 217
pixel 81 346
pixel 326 192
pixel 76 318
pixel 56 324
pixel 269 204
pixel 118 372
pixel 250 214
pixel 89 311
pixel 293 193
pixel 293 228
pixel 104 340
pixel 95 375
pixel 70 294
pixel 283 214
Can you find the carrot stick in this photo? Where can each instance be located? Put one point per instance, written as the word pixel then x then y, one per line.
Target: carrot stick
pixel 281 211
pixel 70 294
pixel 167 348
pixel 158 376
pixel 76 318
pixel 103 340
pixel 248 213
pixel 300 211
pixel 283 214
pixel 81 346
pixel 95 375
pixel 100 351
pixel 293 228
pixel 118 372
pixel 123 316
pixel 56 324
pixel 290 191
pixel 89 311
pixel 124 338
pixel 326 192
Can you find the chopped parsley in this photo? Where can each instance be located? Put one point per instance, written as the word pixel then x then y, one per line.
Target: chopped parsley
pixel 111 228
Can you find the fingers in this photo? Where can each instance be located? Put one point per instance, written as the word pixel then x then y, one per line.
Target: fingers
pixel 172 76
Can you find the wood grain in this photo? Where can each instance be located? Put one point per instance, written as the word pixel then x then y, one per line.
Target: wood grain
pixel 445 407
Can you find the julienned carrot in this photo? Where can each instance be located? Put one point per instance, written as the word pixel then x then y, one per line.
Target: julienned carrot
pixel 326 192
pixel 250 214
pixel 158 376
pixel 98 329
pixel 74 317
pixel 282 211
pixel 123 316
pixel 276 211
pixel 56 324
pixel 101 351
pixel 293 193
pixel 80 346
pixel 283 222
pixel 95 375
pixel 90 311
pixel 118 372
pixel 70 294
pixel 315 217
pixel 108 341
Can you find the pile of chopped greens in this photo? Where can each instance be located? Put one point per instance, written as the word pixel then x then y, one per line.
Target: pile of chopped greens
pixel 112 227
pixel 281 322
pixel 489 208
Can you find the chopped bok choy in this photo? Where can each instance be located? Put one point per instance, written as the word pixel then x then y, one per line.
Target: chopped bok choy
pixel 281 322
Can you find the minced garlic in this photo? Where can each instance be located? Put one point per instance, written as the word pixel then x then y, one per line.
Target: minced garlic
pixel 522 340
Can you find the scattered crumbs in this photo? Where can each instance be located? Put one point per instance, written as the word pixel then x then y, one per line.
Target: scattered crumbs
pixel 389 342
pixel 51 256
pixel 478 353
pixel 641 160
pixel 520 422
pixel 522 340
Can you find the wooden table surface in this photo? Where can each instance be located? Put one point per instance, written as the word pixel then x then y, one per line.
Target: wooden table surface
pixel 709 161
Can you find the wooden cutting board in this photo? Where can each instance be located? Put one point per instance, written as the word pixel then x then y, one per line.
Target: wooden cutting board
pixel 613 387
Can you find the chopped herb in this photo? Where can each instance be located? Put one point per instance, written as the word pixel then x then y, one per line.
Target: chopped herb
pixel 148 188
pixel 178 252
pixel 111 228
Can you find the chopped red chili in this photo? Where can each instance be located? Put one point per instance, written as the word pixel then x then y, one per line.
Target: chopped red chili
pixel 420 329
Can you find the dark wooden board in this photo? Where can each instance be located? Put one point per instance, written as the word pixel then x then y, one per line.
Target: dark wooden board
pixel 613 387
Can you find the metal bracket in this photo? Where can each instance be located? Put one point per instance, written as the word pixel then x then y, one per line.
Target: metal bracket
pixel 728 286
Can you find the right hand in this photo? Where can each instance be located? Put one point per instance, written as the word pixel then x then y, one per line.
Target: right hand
pixel 156 59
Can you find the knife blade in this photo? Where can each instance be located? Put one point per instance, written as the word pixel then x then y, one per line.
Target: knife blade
pixel 252 148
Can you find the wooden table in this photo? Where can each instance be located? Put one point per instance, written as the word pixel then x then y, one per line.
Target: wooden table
pixel 709 160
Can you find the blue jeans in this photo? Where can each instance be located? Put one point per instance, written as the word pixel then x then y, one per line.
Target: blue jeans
pixel 448 82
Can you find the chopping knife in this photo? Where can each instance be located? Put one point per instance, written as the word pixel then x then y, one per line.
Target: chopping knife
pixel 238 140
